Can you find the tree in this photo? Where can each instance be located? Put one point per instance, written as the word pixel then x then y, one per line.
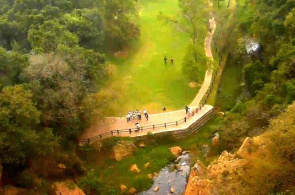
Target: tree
pixel 19 119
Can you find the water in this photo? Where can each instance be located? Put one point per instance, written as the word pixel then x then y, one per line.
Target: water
pixel 174 175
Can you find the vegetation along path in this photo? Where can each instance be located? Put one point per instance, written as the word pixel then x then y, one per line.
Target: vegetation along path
pixel 117 123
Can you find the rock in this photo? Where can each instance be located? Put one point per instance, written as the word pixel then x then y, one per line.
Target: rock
pixel 123 187
pixel 156 188
pixel 132 191
pixel 11 190
pixel 172 190
pixel 156 174
pixel 185 152
pixel 150 176
pixel 123 149
pixel 147 164
pixel 193 84
pixel 134 169
pixel 61 166
pixel 176 150
pixel 221 113
pixel 215 139
pixel 62 188
pixel 141 145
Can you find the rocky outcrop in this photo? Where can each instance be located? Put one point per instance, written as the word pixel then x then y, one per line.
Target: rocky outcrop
pixel 62 188
pixel 223 176
pixel 123 149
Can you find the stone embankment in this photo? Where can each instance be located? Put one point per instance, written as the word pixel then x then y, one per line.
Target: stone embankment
pixel 223 176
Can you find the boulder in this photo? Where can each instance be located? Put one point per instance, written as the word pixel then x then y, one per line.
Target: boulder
pixel 123 149
pixel 61 166
pixel 150 176
pixel 172 190
pixel 176 150
pixel 123 187
pixel 185 152
pixel 132 191
pixel 141 145
pixel 156 188
pixel 146 165
pixel 134 169
pixel 62 188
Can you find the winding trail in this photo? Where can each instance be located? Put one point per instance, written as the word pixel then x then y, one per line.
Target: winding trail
pixel 117 123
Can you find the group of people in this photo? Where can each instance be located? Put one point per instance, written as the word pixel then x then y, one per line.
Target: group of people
pixel 136 114
pixel 171 60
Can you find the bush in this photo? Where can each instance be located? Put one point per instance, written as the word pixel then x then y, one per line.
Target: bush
pixel 91 183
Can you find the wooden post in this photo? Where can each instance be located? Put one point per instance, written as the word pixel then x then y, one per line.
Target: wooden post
pixel 118 132
pixel 184 119
pixel 100 136
pixel 130 131
pixel 176 123
pixel 165 125
pixel 153 126
pixel 112 133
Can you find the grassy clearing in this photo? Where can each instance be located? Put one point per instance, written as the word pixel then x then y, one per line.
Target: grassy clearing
pixel 141 77
pixel 156 152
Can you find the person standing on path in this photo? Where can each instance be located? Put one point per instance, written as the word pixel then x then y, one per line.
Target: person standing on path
pixel 172 60
pixel 186 109
pixel 139 114
pixel 146 114
pixel 128 117
pixel 165 60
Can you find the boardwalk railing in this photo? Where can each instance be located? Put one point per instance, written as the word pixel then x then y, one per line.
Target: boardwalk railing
pixel 143 128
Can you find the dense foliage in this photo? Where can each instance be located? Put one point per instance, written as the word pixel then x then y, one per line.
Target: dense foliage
pixel 51 64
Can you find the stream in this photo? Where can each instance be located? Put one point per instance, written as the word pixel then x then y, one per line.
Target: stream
pixel 174 175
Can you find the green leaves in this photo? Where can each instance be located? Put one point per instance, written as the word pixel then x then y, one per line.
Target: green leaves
pixel 18 120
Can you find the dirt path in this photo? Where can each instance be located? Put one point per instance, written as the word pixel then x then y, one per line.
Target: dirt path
pixel 118 123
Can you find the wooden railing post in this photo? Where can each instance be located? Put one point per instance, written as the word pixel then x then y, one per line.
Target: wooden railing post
pixel 165 125
pixel 118 132
pixel 112 132
pixel 153 126
pixel 130 131
pixel 176 123
pixel 184 119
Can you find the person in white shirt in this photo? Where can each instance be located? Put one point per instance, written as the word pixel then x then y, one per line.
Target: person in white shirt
pixel 137 125
pixel 146 114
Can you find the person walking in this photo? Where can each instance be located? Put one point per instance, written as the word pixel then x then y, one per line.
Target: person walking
pixel 165 60
pixel 139 114
pixel 128 117
pixel 146 114
pixel 186 109
pixel 172 60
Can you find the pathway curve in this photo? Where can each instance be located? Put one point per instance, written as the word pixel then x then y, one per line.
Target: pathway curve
pixel 118 123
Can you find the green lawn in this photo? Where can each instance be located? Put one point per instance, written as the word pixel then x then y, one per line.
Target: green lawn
pixel 142 79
